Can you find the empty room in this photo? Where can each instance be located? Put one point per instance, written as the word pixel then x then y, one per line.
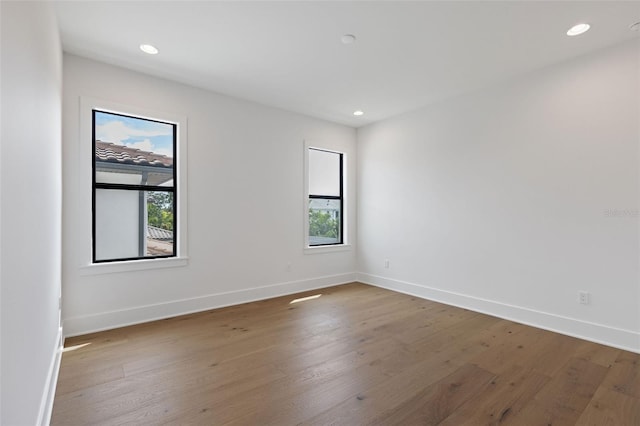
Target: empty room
pixel 320 213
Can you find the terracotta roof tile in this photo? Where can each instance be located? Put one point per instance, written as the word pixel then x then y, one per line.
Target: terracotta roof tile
pixel 112 153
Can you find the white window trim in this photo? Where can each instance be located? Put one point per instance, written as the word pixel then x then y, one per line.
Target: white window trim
pixel 345 246
pixel 85 189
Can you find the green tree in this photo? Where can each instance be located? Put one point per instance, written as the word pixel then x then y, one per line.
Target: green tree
pixel 321 224
pixel 160 209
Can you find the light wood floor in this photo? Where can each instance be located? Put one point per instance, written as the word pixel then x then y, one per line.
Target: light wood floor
pixel 357 355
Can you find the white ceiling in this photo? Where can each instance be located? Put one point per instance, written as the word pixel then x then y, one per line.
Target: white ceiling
pixel 289 54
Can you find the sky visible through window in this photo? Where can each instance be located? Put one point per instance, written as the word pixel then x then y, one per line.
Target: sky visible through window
pixel 134 132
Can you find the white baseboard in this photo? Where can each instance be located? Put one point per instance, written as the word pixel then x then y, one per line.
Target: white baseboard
pixel 49 391
pixel 108 320
pixel 619 338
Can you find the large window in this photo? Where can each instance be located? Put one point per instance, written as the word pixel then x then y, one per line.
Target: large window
pixel 134 188
pixel 326 201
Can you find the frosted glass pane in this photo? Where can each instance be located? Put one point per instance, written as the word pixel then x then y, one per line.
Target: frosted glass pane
pixel 117 224
pixel 324 173
pixel 119 216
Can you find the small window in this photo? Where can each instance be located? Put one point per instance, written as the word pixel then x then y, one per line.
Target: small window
pixel 134 188
pixel 325 204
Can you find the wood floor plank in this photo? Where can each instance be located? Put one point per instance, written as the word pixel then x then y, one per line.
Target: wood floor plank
pixel 624 376
pixel 163 393
pixel 523 345
pixel 369 404
pixel 353 355
pixel 505 397
pixel 563 399
pixel 610 408
pixel 598 354
pixel 434 403
pixel 79 379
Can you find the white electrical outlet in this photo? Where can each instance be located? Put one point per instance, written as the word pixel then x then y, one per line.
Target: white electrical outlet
pixel 386 263
pixel 584 297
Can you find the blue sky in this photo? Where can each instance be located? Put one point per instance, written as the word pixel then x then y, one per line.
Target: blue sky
pixel 135 132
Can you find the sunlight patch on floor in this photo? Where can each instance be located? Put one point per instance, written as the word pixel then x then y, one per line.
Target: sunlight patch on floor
pixel 304 299
pixel 75 347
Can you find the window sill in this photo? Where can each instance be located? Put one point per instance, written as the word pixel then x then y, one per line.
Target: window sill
pixel 133 265
pixel 327 249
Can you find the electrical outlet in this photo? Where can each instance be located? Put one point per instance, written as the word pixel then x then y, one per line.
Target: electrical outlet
pixel 584 298
pixel 386 263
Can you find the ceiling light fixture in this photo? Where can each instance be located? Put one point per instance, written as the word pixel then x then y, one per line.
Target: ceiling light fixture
pixel 635 27
pixel 358 113
pixel 578 29
pixel 348 39
pixel 147 48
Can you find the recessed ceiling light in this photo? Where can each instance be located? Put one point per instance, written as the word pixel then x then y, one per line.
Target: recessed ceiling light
pixel 635 27
pixel 348 39
pixel 147 48
pixel 358 113
pixel 578 29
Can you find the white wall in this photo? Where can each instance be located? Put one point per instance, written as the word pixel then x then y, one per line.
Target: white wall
pixel 245 195
pixel 31 197
pixel 502 200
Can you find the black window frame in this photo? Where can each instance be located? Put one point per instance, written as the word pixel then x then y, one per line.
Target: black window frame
pixel 329 197
pixel 131 187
